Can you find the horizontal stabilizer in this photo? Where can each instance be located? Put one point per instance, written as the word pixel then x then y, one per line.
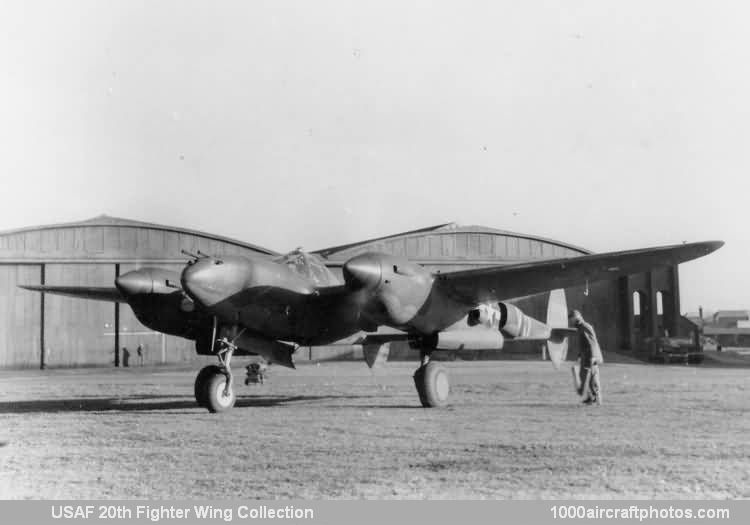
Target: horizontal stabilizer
pixel 558 334
pixel 99 293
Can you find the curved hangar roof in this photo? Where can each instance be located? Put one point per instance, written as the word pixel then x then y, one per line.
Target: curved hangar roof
pixel 112 239
pixel 451 244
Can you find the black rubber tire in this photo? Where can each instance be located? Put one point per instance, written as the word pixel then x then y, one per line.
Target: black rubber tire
pixel 213 393
pixel 200 380
pixel 432 385
pixel 419 383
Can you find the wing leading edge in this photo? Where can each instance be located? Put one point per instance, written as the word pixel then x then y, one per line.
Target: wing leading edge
pixel 100 293
pixel 506 282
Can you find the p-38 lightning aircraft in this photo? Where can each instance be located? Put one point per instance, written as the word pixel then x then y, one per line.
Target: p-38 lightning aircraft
pixel 236 305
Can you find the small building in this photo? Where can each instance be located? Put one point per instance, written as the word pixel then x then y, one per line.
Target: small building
pixel 729 318
pixel 729 337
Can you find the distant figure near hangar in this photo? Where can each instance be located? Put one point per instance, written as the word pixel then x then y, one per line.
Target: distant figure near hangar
pixel 53 331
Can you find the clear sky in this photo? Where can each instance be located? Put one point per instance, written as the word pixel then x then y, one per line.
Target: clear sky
pixel 610 125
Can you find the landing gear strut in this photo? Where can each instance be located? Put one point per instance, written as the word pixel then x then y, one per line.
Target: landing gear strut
pixel 214 384
pixel 431 380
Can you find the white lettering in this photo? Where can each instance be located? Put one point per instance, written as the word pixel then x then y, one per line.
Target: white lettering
pixel 215 513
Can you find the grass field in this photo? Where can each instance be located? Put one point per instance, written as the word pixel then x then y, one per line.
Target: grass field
pixel 514 430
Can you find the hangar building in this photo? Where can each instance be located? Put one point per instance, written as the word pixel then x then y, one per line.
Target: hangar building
pixel 46 330
pixel 624 311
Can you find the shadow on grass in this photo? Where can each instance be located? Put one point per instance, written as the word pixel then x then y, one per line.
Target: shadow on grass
pixel 368 406
pixel 147 403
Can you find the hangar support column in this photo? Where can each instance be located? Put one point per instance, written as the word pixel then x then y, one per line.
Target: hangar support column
pixel 117 322
pixel 641 292
pixel 626 313
pixel 42 355
pixel 653 314
pixel 675 285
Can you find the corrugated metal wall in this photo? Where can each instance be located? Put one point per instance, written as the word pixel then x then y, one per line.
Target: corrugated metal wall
pixel 75 329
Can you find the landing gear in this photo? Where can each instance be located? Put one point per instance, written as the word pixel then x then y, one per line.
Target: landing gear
pixel 219 393
pixel 203 376
pixel 214 384
pixel 431 380
pixel 212 391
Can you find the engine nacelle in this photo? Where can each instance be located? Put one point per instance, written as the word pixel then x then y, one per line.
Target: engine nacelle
pixel 489 324
pixel 476 338
pixel 394 290
pixel 485 314
pixel 158 302
pixel 516 324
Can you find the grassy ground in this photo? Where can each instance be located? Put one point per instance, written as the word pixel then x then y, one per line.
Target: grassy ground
pixel 514 430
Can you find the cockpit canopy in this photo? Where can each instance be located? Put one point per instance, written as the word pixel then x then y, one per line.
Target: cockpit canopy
pixel 309 266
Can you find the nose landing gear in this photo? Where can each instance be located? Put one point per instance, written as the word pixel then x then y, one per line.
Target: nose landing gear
pixel 214 384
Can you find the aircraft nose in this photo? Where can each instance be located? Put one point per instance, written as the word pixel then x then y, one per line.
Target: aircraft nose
pixel 362 271
pixel 134 283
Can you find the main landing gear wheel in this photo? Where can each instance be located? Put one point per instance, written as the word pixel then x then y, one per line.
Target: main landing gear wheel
pixel 218 396
pixel 211 390
pixel 199 389
pixel 432 384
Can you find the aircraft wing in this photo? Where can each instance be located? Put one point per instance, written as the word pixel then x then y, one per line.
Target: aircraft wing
pixel 506 282
pixel 100 293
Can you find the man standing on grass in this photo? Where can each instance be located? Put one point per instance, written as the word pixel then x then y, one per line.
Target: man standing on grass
pixel 590 357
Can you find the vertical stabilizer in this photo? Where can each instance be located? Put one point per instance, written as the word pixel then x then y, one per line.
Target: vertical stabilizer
pixel 557 318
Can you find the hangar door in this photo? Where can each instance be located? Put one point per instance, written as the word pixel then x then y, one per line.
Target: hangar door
pixel 76 330
pixel 20 311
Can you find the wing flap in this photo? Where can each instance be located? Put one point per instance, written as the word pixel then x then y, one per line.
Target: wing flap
pixel 99 293
pixel 506 282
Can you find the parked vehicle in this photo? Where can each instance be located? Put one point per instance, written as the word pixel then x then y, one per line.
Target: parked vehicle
pixel 674 350
pixel 709 344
